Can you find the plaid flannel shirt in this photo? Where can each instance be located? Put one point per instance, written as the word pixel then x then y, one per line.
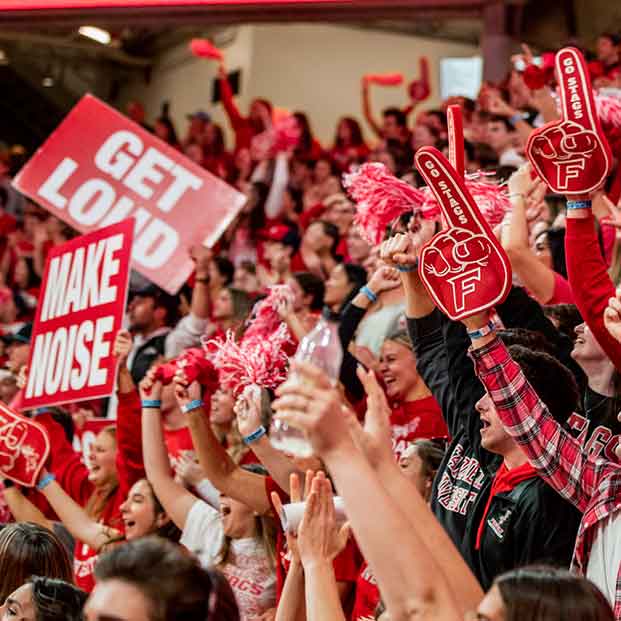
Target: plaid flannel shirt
pixel 592 485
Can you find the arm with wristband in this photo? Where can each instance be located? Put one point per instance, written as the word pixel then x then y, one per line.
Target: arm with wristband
pixel 81 526
pixel 588 274
pixel 538 278
pixel 176 499
pixel 220 469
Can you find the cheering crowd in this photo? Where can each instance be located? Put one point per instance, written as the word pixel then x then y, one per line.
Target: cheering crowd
pixel 459 469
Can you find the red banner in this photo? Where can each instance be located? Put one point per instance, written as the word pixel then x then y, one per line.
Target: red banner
pixel 24 447
pixel 99 168
pixel 80 310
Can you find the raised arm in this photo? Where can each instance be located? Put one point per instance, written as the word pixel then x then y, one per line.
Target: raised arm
pixel 226 96
pixel 408 574
pixel 176 499
pixel 375 441
pixel 589 279
pixel 538 278
pixel 366 109
pixel 319 543
pixel 81 526
pixel 558 457
pixel 220 469
pixel 22 509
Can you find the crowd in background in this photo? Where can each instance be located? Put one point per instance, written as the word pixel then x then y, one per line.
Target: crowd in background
pixel 473 474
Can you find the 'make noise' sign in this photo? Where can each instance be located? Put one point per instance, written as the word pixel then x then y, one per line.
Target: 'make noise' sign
pixel 80 310
pixel 99 168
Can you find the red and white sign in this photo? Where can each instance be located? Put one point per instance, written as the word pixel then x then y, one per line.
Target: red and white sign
pixel 80 310
pixel 24 447
pixel 99 168
pixel 464 268
pixel 571 155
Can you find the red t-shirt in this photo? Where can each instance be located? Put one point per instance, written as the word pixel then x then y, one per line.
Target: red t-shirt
pixel 367 595
pixel 416 419
pixel 346 564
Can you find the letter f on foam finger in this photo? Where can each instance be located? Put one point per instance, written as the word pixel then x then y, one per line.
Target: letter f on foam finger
pixel 464 268
pixel 571 155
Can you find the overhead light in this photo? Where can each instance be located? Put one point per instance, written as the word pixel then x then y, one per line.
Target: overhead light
pixel 96 34
pixel 4 59
pixel 48 82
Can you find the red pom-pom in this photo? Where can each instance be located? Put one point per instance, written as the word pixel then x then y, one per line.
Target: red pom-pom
pixel 266 319
pixel 284 135
pixel 380 198
pixel 203 48
pixel 491 199
pixel 255 361
pixel 608 110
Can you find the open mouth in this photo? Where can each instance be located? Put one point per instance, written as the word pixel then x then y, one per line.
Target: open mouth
pixel 224 510
pixel 129 523
pixel 484 425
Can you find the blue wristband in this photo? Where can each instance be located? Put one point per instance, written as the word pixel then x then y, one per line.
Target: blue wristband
pixel 193 405
pixel 482 332
pixel 407 268
pixel 372 297
pixel 45 480
pixel 578 205
pixel 151 403
pixel 255 435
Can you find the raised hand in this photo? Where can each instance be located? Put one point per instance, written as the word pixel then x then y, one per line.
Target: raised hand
pixel 464 268
pixel 320 540
pixel 384 278
pixel 123 343
pixel 571 155
pixel 247 408
pixel 150 387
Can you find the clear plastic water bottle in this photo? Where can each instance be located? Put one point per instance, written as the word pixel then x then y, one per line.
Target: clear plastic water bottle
pixel 322 348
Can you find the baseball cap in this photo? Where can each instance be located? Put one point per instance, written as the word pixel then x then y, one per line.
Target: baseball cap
pixel 200 114
pixel 23 335
pixel 283 234
pixel 161 298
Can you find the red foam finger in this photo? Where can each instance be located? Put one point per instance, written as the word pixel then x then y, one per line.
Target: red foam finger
pixel 571 155
pixel 24 447
pixel 464 268
pixel 456 138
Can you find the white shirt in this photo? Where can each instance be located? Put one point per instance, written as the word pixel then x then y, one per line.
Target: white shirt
pixel 247 568
pixel 605 556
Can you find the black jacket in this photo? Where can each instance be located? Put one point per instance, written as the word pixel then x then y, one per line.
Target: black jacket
pixel 145 355
pixel 528 524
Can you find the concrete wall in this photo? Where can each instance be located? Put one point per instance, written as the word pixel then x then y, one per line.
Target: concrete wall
pixel 312 67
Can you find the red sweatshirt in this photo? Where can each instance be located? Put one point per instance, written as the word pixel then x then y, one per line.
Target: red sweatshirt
pixel 590 282
pixel 244 131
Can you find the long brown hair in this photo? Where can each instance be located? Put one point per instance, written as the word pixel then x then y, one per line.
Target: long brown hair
pixel 26 550
pixel 99 498
pixel 546 594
